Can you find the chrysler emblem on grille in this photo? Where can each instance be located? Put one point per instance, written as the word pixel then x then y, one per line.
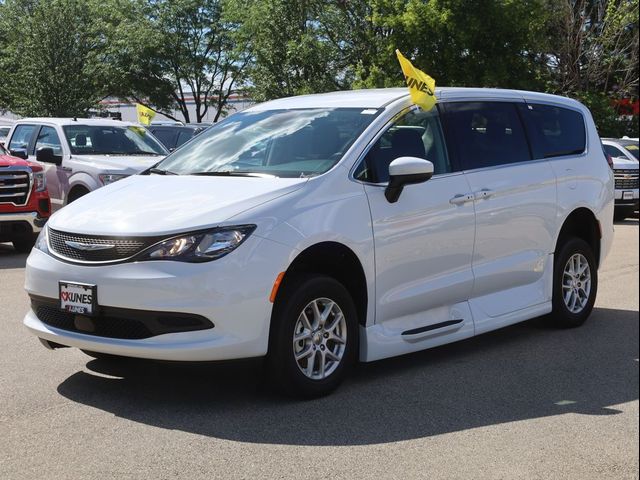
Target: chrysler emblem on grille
pixel 88 247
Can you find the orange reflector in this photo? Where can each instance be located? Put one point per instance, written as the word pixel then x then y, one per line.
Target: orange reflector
pixel 276 286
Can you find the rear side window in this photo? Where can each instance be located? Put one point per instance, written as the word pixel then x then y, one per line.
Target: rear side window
pixel 486 134
pixel 555 131
pixel 21 137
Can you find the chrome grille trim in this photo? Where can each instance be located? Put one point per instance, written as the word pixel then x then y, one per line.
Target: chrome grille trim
pixel 115 249
pixel 626 179
pixel 15 186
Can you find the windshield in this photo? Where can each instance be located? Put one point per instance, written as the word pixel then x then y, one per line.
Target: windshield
pixel 281 143
pixel 111 140
pixel 632 148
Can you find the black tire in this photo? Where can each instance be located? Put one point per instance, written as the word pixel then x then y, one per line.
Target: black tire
pixel 76 193
pixel 283 369
pixel 561 315
pixel 24 245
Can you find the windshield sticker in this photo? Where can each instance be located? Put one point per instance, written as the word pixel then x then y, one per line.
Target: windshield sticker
pixel 369 111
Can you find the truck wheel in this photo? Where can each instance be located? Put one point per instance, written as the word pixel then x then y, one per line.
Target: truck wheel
pixel 76 193
pixel 24 245
pixel 575 283
pixel 314 336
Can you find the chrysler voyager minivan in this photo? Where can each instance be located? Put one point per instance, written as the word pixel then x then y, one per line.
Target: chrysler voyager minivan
pixel 325 229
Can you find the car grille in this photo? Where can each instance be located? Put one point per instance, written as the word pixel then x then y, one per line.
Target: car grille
pixel 116 248
pixel 626 179
pixel 15 186
pixel 119 323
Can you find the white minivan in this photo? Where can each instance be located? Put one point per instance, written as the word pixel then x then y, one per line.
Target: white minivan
pixel 325 229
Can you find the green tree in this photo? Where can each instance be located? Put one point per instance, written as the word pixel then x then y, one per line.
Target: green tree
pixel 166 53
pixel 51 57
pixel 289 52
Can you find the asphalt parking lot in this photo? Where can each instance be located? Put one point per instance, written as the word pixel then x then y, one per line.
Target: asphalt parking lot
pixel 527 401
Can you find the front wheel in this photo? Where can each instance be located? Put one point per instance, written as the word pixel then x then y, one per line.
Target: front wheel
pixel 575 283
pixel 314 338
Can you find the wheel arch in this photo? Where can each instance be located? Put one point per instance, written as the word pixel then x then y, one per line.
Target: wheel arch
pixel 582 223
pixel 335 260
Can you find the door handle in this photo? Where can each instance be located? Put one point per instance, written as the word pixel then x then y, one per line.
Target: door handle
pixel 484 193
pixel 461 199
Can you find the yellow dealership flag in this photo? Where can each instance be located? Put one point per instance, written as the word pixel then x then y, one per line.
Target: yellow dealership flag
pixel 145 115
pixel 421 86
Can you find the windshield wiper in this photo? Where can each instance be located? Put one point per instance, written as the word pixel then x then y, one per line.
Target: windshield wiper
pixel 159 171
pixel 233 174
pixel 141 153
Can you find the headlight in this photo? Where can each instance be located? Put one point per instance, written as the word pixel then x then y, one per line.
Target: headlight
pixel 107 178
pixel 39 181
pixel 200 246
pixel 42 240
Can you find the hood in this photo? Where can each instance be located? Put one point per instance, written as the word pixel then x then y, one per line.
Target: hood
pixel 622 163
pixel 9 161
pixel 157 205
pixel 120 164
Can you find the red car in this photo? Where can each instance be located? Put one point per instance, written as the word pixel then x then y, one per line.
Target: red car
pixel 24 201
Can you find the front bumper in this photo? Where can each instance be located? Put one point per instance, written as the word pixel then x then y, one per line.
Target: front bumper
pixel 20 224
pixel 632 200
pixel 232 292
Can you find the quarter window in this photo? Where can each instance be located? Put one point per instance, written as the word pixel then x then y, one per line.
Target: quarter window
pixel 48 138
pixel 416 134
pixel 555 131
pixel 21 137
pixel 486 134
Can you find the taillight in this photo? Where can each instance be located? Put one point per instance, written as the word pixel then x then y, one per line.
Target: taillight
pixel 610 161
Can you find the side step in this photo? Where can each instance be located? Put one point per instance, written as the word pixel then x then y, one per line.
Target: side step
pixel 431 330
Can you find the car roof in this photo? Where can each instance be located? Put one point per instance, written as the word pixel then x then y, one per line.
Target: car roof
pixel 381 97
pixel 621 141
pixel 105 122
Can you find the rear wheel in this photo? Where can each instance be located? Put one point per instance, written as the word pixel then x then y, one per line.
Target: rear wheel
pixel 314 338
pixel 575 283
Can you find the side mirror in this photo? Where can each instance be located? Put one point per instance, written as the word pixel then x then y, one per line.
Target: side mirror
pixel 45 155
pixel 406 171
pixel 20 153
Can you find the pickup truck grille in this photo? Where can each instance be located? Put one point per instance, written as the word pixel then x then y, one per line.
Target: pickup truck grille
pixel 626 179
pixel 15 186
pixel 96 249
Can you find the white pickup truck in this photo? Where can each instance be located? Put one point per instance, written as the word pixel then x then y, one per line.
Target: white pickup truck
pixel 80 155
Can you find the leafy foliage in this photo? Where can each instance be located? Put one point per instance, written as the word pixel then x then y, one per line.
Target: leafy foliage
pixel 51 57
pixel 62 56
